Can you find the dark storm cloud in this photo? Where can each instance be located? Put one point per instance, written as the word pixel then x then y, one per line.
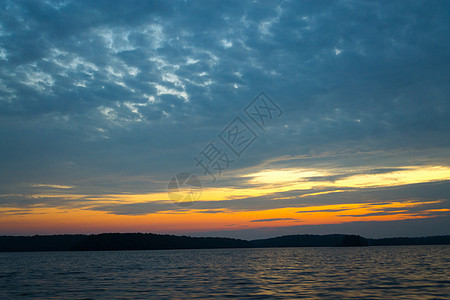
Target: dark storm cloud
pixel 117 97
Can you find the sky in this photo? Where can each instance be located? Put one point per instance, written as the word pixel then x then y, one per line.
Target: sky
pixel 273 117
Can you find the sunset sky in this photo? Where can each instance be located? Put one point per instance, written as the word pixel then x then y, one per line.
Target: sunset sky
pixel 343 107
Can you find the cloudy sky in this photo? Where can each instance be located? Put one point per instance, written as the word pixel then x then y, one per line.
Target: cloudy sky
pixel 294 116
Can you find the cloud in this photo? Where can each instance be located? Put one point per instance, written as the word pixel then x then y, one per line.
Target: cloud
pixel 53 186
pixel 370 229
pixel 421 209
pixel 136 209
pixel 116 98
pixel 273 220
pixel 325 210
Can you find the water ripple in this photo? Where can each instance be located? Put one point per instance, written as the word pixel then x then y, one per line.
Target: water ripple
pixel 412 272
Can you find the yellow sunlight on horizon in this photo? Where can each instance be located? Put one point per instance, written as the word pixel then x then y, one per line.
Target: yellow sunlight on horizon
pixel 81 212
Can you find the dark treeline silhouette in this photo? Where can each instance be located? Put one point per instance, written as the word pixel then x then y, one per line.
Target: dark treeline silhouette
pixel 307 240
pixel 114 241
pixel 149 241
pixel 40 242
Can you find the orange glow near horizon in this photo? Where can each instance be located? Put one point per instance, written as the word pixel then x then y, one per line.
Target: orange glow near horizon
pixel 80 221
pixel 87 218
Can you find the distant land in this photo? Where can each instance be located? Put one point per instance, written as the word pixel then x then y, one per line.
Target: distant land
pixel 150 241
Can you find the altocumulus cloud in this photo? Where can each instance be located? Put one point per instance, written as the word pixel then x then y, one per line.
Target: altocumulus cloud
pixel 105 98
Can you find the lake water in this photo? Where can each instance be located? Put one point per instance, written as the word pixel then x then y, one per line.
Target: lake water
pixel 409 272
